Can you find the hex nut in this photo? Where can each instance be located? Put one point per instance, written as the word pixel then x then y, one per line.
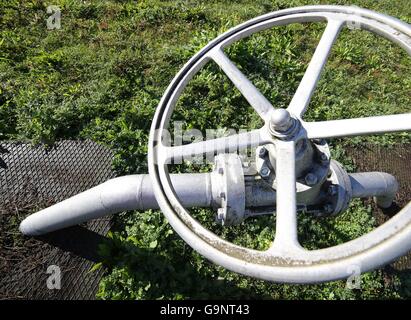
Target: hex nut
pixel 310 179
pixel 328 208
pixel 265 172
pixel 220 214
pixel 262 153
pixel 332 190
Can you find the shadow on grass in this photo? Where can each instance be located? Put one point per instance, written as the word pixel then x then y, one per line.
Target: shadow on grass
pixel 158 274
pixel 77 240
pixel 168 275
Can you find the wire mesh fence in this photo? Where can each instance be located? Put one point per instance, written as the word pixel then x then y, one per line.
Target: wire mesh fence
pixel 395 160
pixel 32 178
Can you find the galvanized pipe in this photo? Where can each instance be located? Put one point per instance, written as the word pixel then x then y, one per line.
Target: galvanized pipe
pixel 380 185
pixel 135 192
pixel 117 195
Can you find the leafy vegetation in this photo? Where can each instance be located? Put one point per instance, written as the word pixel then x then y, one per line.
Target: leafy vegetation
pixel 103 73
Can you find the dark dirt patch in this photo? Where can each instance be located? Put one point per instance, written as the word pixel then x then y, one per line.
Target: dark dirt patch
pixel 35 178
pixel 395 160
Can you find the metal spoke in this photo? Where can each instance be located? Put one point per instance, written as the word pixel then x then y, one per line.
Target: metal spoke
pixel 248 90
pixel 358 126
pixel 231 143
pixel 305 90
pixel 286 219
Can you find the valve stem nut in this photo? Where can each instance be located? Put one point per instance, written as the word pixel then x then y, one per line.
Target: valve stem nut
pixel 280 120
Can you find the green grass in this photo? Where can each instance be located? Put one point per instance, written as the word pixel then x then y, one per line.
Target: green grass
pixel 102 75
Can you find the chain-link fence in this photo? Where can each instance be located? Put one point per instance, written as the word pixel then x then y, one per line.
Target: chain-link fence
pixel 32 178
pixel 395 160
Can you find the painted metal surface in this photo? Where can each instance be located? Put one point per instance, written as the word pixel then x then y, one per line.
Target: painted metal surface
pixel 133 192
pixel 289 262
pixel 290 154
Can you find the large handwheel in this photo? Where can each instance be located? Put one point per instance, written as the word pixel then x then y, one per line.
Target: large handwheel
pixel 285 260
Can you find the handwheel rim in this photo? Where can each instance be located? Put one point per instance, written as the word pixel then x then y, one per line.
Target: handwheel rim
pixel 380 246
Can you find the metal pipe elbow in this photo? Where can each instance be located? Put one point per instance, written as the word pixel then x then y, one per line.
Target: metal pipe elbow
pixel 379 185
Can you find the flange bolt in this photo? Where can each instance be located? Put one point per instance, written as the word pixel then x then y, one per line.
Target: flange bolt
pixel 220 215
pixel 262 152
pixel 310 179
pixel 265 172
pixel 328 208
pixel 332 190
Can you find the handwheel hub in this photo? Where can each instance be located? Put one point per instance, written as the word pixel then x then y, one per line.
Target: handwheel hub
pixel 282 125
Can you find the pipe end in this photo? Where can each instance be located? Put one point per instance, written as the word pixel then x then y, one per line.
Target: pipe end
pixel 27 229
